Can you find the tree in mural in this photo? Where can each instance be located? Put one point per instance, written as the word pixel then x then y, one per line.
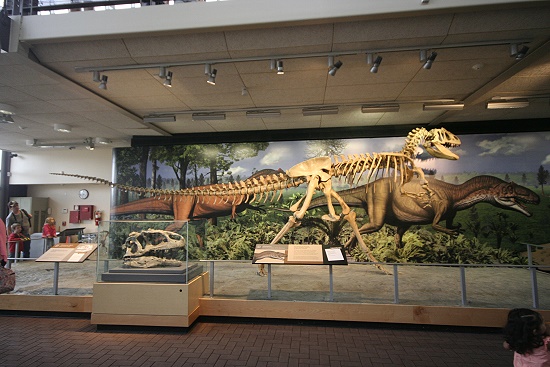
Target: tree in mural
pixel 179 158
pixel 500 227
pixel 542 177
pixel 319 148
pixel 126 171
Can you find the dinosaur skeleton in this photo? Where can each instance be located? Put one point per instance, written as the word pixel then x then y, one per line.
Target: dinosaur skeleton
pixel 146 249
pixel 318 173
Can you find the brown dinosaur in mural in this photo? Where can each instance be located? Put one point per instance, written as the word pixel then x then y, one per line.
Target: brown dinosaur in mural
pixel 386 204
pixel 182 210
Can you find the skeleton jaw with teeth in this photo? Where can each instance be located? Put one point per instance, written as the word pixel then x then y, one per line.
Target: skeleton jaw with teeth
pixel 147 249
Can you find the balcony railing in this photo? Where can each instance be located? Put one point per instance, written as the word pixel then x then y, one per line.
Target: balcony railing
pixel 46 7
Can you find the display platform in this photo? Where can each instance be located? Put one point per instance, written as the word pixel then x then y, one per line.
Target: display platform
pixel 179 275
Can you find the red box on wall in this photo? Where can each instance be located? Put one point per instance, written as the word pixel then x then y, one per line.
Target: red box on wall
pixel 74 216
pixel 86 212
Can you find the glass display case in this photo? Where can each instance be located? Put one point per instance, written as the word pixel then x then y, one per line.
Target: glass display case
pixel 145 251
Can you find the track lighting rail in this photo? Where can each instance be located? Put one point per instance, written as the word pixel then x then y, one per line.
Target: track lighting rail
pixel 300 56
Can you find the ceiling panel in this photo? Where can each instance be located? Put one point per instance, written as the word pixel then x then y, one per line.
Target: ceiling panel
pixel 42 82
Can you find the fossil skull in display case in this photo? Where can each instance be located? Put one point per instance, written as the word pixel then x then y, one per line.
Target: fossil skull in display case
pixel 152 248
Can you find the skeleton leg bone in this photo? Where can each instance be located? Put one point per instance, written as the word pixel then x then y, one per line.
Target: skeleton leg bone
pixel 351 217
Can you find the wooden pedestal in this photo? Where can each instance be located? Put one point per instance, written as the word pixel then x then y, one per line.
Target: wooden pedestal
pixel 148 304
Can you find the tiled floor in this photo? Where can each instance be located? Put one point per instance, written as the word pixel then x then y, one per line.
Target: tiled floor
pixel 58 341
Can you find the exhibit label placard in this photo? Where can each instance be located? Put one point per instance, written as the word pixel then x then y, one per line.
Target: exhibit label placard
pixel 68 252
pixel 299 254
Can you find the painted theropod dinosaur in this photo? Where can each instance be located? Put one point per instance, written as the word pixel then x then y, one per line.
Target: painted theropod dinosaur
pixel 318 173
pixel 386 205
pixel 183 210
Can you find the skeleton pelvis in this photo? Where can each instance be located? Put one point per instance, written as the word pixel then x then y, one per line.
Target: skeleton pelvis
pixel 319 165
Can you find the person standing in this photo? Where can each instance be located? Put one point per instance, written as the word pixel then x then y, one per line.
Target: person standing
pixel 16 240
pixel 3 249
pixel 20 216
pixel 49 232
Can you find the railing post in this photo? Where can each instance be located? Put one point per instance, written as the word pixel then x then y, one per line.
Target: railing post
pixel 533 271
pixel 268 281
pixel 463 285
pixel 395 284
pixel 211 279
pixel 330 283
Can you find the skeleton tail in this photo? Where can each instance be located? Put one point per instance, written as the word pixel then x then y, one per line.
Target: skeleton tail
pixel 242 191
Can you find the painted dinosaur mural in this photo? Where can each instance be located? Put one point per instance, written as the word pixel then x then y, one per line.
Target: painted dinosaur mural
pixel 183 210
pixel 318 174
pixel 385 204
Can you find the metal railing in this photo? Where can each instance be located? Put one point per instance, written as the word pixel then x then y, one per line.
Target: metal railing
pixel 44 7
pixel 532 268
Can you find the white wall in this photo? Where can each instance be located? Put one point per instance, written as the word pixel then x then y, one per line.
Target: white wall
pixel 33 169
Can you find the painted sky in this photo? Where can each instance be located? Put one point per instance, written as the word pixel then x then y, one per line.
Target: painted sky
pixel 482 154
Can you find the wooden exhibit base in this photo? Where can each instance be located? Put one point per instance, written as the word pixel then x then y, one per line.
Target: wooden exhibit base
pixel 358 312
pixel 179 305
pixel 148 304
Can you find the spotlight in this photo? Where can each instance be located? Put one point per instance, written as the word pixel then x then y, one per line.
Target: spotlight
pixel 162 72
pixel 518 54
pixel 369 58
pixel 430 61
pixel 96 77
pixel 376 65
pixel 280 69
pixel 207 69
pixel 6 119
pixel 333 67
pixel 244 92
pixel 212 77
pixel 103 84
pixel 522 52
pixel 168 81
pixel 62 128
pixel 423 55
pixel 90 144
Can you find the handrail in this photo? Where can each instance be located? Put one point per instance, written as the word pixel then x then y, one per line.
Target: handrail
pixel 530 266
pixel 85 4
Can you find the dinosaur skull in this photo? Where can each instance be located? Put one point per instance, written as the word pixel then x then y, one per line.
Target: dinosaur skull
pixel 437 142
pixel 148 244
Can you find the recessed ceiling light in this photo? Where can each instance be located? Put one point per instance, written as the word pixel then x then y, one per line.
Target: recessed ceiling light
pixel 314 111
pixel 208 116
pixel 168 118
pixel 444 106
pixel 7 109
pixel 516 103
pixel 390 107
pixel 103 141
pixel 263 113
pixel 62 128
